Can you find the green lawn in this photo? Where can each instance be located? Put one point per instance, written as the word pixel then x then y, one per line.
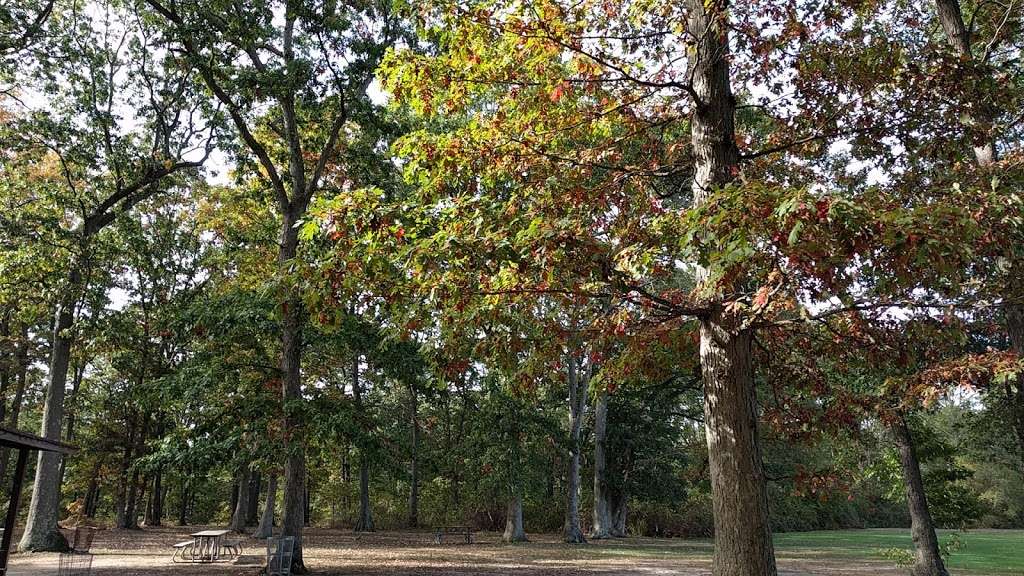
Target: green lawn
pixel 995 552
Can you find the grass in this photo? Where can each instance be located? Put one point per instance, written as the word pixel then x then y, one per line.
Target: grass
pixel 984 552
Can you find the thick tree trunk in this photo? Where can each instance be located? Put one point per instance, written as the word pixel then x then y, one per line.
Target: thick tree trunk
pixel 41 531
pixel 573 533
pixel 743 543
pixel 514 530
pixel 602 507
pixel 241 512
pixel 619 505
pixel 255 484
pixel 926 544
pixel 742 535
pixel 131 515
pixel 293 514
pixel 266 526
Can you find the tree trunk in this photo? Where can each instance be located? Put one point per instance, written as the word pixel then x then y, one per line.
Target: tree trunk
pixel 241 512
pixel 156 509
pixel 293 514
pixel 91 509
pixel 979 125
pixel 91 493
pixel 266 526
pixel 307 503
pixel 255 484
pixel 183 504
pixel 572 532
pixel 69 434
pixel 928 560
pixel 619 505
pixel 742 536
pixel 131 509
pixel 743 543
pixel 414 478
pixel 41 533
pixel 365 521
pixel 514 530
pixel 602 507
pixel 234 497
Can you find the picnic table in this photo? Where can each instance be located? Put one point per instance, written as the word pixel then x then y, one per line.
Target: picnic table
pixel 464 533
pixel 205 546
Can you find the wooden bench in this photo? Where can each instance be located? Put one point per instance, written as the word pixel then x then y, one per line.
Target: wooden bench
pixel 463 532
pixel 183 550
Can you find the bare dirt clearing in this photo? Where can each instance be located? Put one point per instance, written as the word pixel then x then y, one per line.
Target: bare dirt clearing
pixel 338 552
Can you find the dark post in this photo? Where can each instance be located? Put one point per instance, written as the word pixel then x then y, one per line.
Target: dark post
pixel 12 510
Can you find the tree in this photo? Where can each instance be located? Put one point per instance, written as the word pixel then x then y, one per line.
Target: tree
pixel 109 163
pixel 248 58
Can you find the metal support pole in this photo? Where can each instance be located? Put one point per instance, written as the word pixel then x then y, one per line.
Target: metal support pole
pixel 12 510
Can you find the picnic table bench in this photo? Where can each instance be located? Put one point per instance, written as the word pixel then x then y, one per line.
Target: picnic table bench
pixel 206 546
pixel 463 532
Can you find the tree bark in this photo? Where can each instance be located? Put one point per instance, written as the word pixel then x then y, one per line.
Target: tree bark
pixel 255 484
pixel 743 543
pixel 155 512
pixel 41 533
pixel 619 505
pixel 365 521
pixel 241 512
pixel 573 533
pixel 928 560
pixel 602 508
pixel 514 530
pixel 979 125
pixel 132 508
pixel 266 526
pixel 69 435
pixel 293 514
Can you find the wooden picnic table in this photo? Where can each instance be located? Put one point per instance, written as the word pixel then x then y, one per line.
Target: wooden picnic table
pixel 207 544
pixel 463 532
pixel 204 547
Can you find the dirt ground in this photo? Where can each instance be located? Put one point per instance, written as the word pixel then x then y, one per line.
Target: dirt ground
pixel 340 552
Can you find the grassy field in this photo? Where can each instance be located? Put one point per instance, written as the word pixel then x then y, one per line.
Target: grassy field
pixel 983 552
